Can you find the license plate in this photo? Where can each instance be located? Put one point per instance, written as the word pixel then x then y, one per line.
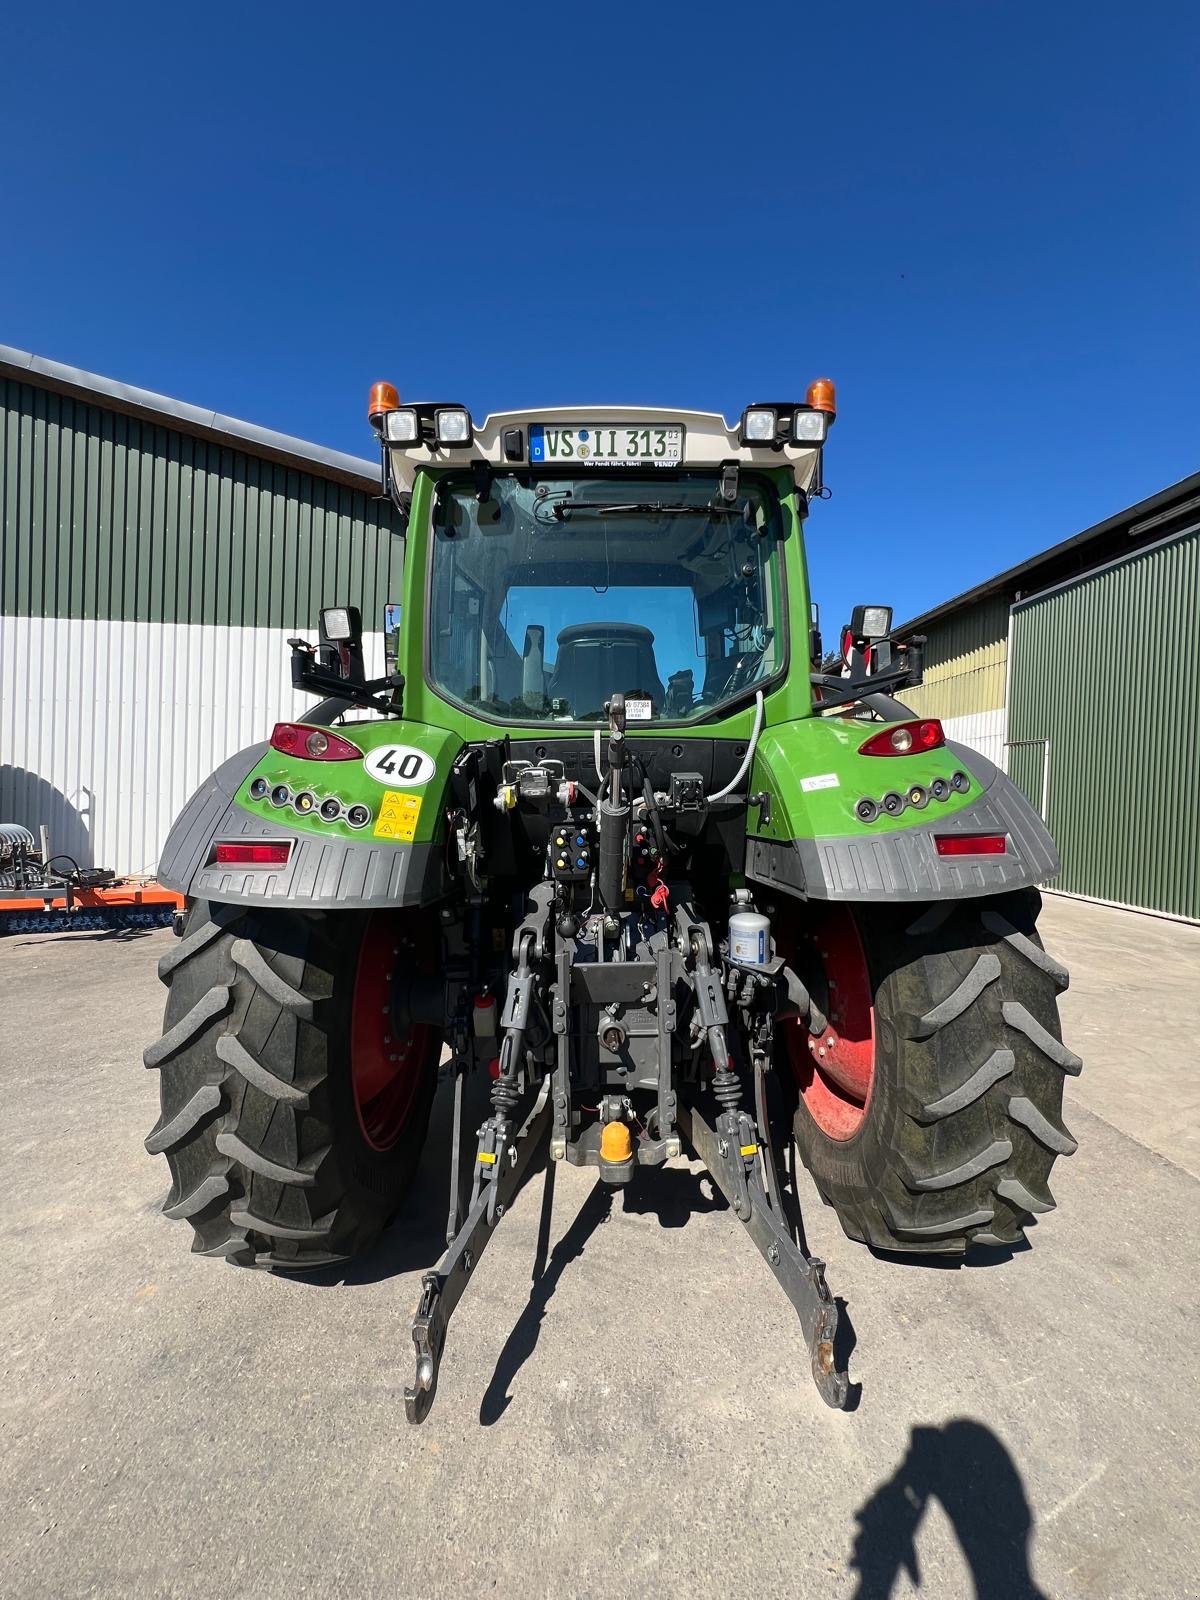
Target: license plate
pixel 607 447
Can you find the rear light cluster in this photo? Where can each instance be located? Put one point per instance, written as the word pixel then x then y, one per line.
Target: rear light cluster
pixel 313 744
pixel 916 795
pixel 304 803
pixel 905 739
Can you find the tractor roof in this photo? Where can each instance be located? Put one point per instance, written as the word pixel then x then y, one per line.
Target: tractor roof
pixel 707 441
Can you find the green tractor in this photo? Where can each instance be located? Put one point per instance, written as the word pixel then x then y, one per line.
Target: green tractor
pixel 610 830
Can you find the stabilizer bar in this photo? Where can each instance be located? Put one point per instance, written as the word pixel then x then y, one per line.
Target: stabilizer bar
pixel 442 1289
pixel 801 1277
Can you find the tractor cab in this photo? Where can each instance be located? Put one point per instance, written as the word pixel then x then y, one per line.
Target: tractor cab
pixel 565 556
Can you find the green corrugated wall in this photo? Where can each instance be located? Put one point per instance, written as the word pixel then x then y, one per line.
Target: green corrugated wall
pixel 106 516
pixel 1108 670
pixel 966 654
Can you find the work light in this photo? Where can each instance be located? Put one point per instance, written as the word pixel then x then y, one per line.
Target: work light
pixel 452 425
pixel 809 426
pixel 759 425
pixel 871 622
pixel 336 623
pixel 402 427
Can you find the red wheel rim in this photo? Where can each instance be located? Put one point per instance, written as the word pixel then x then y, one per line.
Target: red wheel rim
pixel 385 1068
pixel 835 1070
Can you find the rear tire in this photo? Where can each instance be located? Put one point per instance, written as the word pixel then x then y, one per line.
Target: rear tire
pixel 260 1124
pixel 963 1118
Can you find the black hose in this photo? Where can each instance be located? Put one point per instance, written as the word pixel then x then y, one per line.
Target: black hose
pixel 77 870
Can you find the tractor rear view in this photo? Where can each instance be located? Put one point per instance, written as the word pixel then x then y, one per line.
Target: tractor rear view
pixel 609 832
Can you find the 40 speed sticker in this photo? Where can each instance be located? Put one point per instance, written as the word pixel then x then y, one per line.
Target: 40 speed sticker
pixel 400 766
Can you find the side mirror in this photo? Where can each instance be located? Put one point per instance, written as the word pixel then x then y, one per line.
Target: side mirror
pixel 341 642
pixel 391 636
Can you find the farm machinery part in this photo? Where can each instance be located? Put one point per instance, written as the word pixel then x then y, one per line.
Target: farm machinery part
pixel 612 832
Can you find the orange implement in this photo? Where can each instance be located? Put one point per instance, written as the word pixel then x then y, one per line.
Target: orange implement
pixel 115 894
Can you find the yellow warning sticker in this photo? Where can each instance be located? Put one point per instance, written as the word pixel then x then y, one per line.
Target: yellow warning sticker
pixel 398 816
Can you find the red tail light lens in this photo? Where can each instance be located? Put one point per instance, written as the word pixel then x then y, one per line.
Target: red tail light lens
pixel 314 744
pixel 274 854
pixel 971 844
pixel 904 739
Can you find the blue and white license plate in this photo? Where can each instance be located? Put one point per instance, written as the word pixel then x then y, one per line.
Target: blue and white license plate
pixel 603 446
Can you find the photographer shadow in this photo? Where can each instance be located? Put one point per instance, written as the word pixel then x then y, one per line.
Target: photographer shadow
pixel 963 1466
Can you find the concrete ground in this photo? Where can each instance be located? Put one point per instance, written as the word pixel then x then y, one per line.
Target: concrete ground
pixel 625 1405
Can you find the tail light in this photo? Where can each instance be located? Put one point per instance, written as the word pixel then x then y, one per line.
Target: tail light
pixel 316 744
pixel 273 854
pixel 971 844
pixel 904 739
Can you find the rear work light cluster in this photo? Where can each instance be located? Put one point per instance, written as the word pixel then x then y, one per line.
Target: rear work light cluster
pixel 314 744
pixel 916 795
pixel 905 739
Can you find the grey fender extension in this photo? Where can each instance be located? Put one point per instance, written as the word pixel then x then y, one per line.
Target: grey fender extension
pixel 322 873
pixel 903 864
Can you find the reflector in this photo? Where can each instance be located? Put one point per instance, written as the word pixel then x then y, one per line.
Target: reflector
pixel 971 844
pixel 238 854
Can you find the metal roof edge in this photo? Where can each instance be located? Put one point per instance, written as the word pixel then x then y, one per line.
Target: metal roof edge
pixel 145 403
pixel 1007 578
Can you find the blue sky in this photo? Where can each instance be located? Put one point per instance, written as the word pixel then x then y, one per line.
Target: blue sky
pixel 979 218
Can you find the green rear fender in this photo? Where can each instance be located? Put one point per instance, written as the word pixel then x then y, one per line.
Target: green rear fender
pixel 384 846
pixel 840 825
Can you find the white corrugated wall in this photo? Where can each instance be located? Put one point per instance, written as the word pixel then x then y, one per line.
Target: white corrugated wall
pixel 107 727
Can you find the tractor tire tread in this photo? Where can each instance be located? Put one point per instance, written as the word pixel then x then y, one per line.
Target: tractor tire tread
pixel 986 970
pixel 998 1065
pixel 167 1133
pixel 253 963
pixel 177 1038
pixel 214 1186
pixel 957 1144
pixel 1017 1016
pixel 257 1120
pixel 973 1167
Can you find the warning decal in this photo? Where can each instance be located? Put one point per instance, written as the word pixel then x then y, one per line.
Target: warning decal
pixel 398 817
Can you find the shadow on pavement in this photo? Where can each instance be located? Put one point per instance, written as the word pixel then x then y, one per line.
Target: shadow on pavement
pixel 672 1194
pixel 980 1255
pixel 965 1467
pixel 521 1342
pixel 416 1240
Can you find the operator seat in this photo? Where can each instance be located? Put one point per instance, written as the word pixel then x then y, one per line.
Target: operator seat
pixel 596 659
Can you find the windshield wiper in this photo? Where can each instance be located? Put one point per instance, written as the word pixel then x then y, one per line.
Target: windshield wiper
pixel 641 508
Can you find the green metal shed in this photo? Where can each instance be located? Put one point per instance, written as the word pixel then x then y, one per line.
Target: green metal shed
pixel 1104 725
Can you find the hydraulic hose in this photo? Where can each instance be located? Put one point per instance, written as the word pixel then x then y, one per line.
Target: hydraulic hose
pixel 747 758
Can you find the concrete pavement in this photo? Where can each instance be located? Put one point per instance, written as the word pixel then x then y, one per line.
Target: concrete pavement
pixel 624 1404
